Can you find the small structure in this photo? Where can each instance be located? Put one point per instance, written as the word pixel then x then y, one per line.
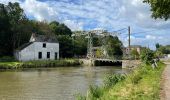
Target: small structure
pixel 132 47
pixel 40 47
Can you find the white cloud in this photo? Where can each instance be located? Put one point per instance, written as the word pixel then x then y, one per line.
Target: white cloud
pixel 74 25
pixel 39 10
pixel 150 37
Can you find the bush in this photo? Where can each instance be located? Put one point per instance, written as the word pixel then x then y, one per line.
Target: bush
pixel 94 92
pixel 7 59
pixel 111 80
pixel 147 56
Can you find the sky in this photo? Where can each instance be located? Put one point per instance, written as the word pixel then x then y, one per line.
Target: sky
pixel 111 15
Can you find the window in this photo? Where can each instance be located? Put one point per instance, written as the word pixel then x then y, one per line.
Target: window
pixel 44 45
pixel 39 55
pixel 56 55
pixel 48 54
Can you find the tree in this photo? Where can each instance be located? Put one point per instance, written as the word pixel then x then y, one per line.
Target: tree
pixel 80 45
pixel 66 46
pixel 5 32
pixel 147 56
pixel 59 29
pixel 134 54
pixel 157 46
pixel 159 8
pixel 113 46
pixel 164 50
pixel 16 16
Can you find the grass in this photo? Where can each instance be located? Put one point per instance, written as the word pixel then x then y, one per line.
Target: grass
pixel 39 64
pixel 142 84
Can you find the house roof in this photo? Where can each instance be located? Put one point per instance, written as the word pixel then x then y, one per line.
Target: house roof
pixel 38 38
pixel 43 38
pixel 24 46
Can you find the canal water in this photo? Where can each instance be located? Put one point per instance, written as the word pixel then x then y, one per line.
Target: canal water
pixel 60 83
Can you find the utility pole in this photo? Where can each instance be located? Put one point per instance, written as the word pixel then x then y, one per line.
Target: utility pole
pixel 129 41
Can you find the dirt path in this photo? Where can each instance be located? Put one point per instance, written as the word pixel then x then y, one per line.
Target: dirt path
pixel 165 83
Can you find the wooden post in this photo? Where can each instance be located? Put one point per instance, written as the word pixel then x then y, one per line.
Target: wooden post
pixel 129 41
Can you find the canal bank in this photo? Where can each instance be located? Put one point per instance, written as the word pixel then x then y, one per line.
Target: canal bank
pixel 143 83
pixel 39 64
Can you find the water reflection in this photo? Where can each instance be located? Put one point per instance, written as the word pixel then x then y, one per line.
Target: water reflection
pixel 51 84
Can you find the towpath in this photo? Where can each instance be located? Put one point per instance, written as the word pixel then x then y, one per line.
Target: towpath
pixel 165 83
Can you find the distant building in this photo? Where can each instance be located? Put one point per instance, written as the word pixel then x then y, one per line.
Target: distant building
pixel 40 47
pixel 132 47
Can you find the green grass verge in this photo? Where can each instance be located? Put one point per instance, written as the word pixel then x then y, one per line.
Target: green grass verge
pixel 142 84
pixel 39 64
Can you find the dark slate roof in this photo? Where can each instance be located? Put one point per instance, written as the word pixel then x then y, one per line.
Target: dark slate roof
pixel 44 38
pixel 24 46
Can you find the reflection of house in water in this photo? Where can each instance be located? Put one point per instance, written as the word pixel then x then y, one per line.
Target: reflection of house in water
pixel 132 47
pixel 40 47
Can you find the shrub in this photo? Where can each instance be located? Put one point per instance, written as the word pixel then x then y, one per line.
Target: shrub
pixel 7 59
pixel 147 56
pixel 94 92
pixel 111 80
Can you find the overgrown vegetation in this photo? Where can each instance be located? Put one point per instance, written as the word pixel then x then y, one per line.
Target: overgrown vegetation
pixel 39 64
pixel 147 56
pixel 160 8
pixel 142 84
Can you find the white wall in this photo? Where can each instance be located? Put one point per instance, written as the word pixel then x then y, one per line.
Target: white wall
pixel 31 52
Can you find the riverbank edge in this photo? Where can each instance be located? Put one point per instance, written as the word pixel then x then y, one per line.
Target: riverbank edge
pixel 142 84
pixel 39 64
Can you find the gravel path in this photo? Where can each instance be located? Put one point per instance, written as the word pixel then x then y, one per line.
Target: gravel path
pixel 165 83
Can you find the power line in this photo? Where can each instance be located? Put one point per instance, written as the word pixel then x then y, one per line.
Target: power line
pixel 120 30
pixel 145 31
pixel 149 31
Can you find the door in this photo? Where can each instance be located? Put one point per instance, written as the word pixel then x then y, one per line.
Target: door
pixel 39 55
pixel 48 54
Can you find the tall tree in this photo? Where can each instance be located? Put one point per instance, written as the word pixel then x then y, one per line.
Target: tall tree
pixel 5 33
pixel 114 46
pixel 16 16
pixel 60 29
pixel 159 8
pixel 157 46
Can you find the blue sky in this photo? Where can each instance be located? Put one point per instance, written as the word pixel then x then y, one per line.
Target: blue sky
pixel 111 15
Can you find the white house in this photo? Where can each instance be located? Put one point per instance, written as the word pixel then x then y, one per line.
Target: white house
pixel 40 47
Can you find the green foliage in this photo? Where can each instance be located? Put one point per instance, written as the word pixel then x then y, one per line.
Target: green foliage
pixel 112 80
pixel 80 45
pixel 135 77
pixel 147 56
pixel 80 97
pixel 142 84
pixel 7 59
pixel 164 49
pixel 134 53
pixel 5 31
pixel 159 8
pixel 113 45
pixel 39 64
pixel 60 29
pixel 99 53
pixel 157 46
pixel 66 46
pixel 94 93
